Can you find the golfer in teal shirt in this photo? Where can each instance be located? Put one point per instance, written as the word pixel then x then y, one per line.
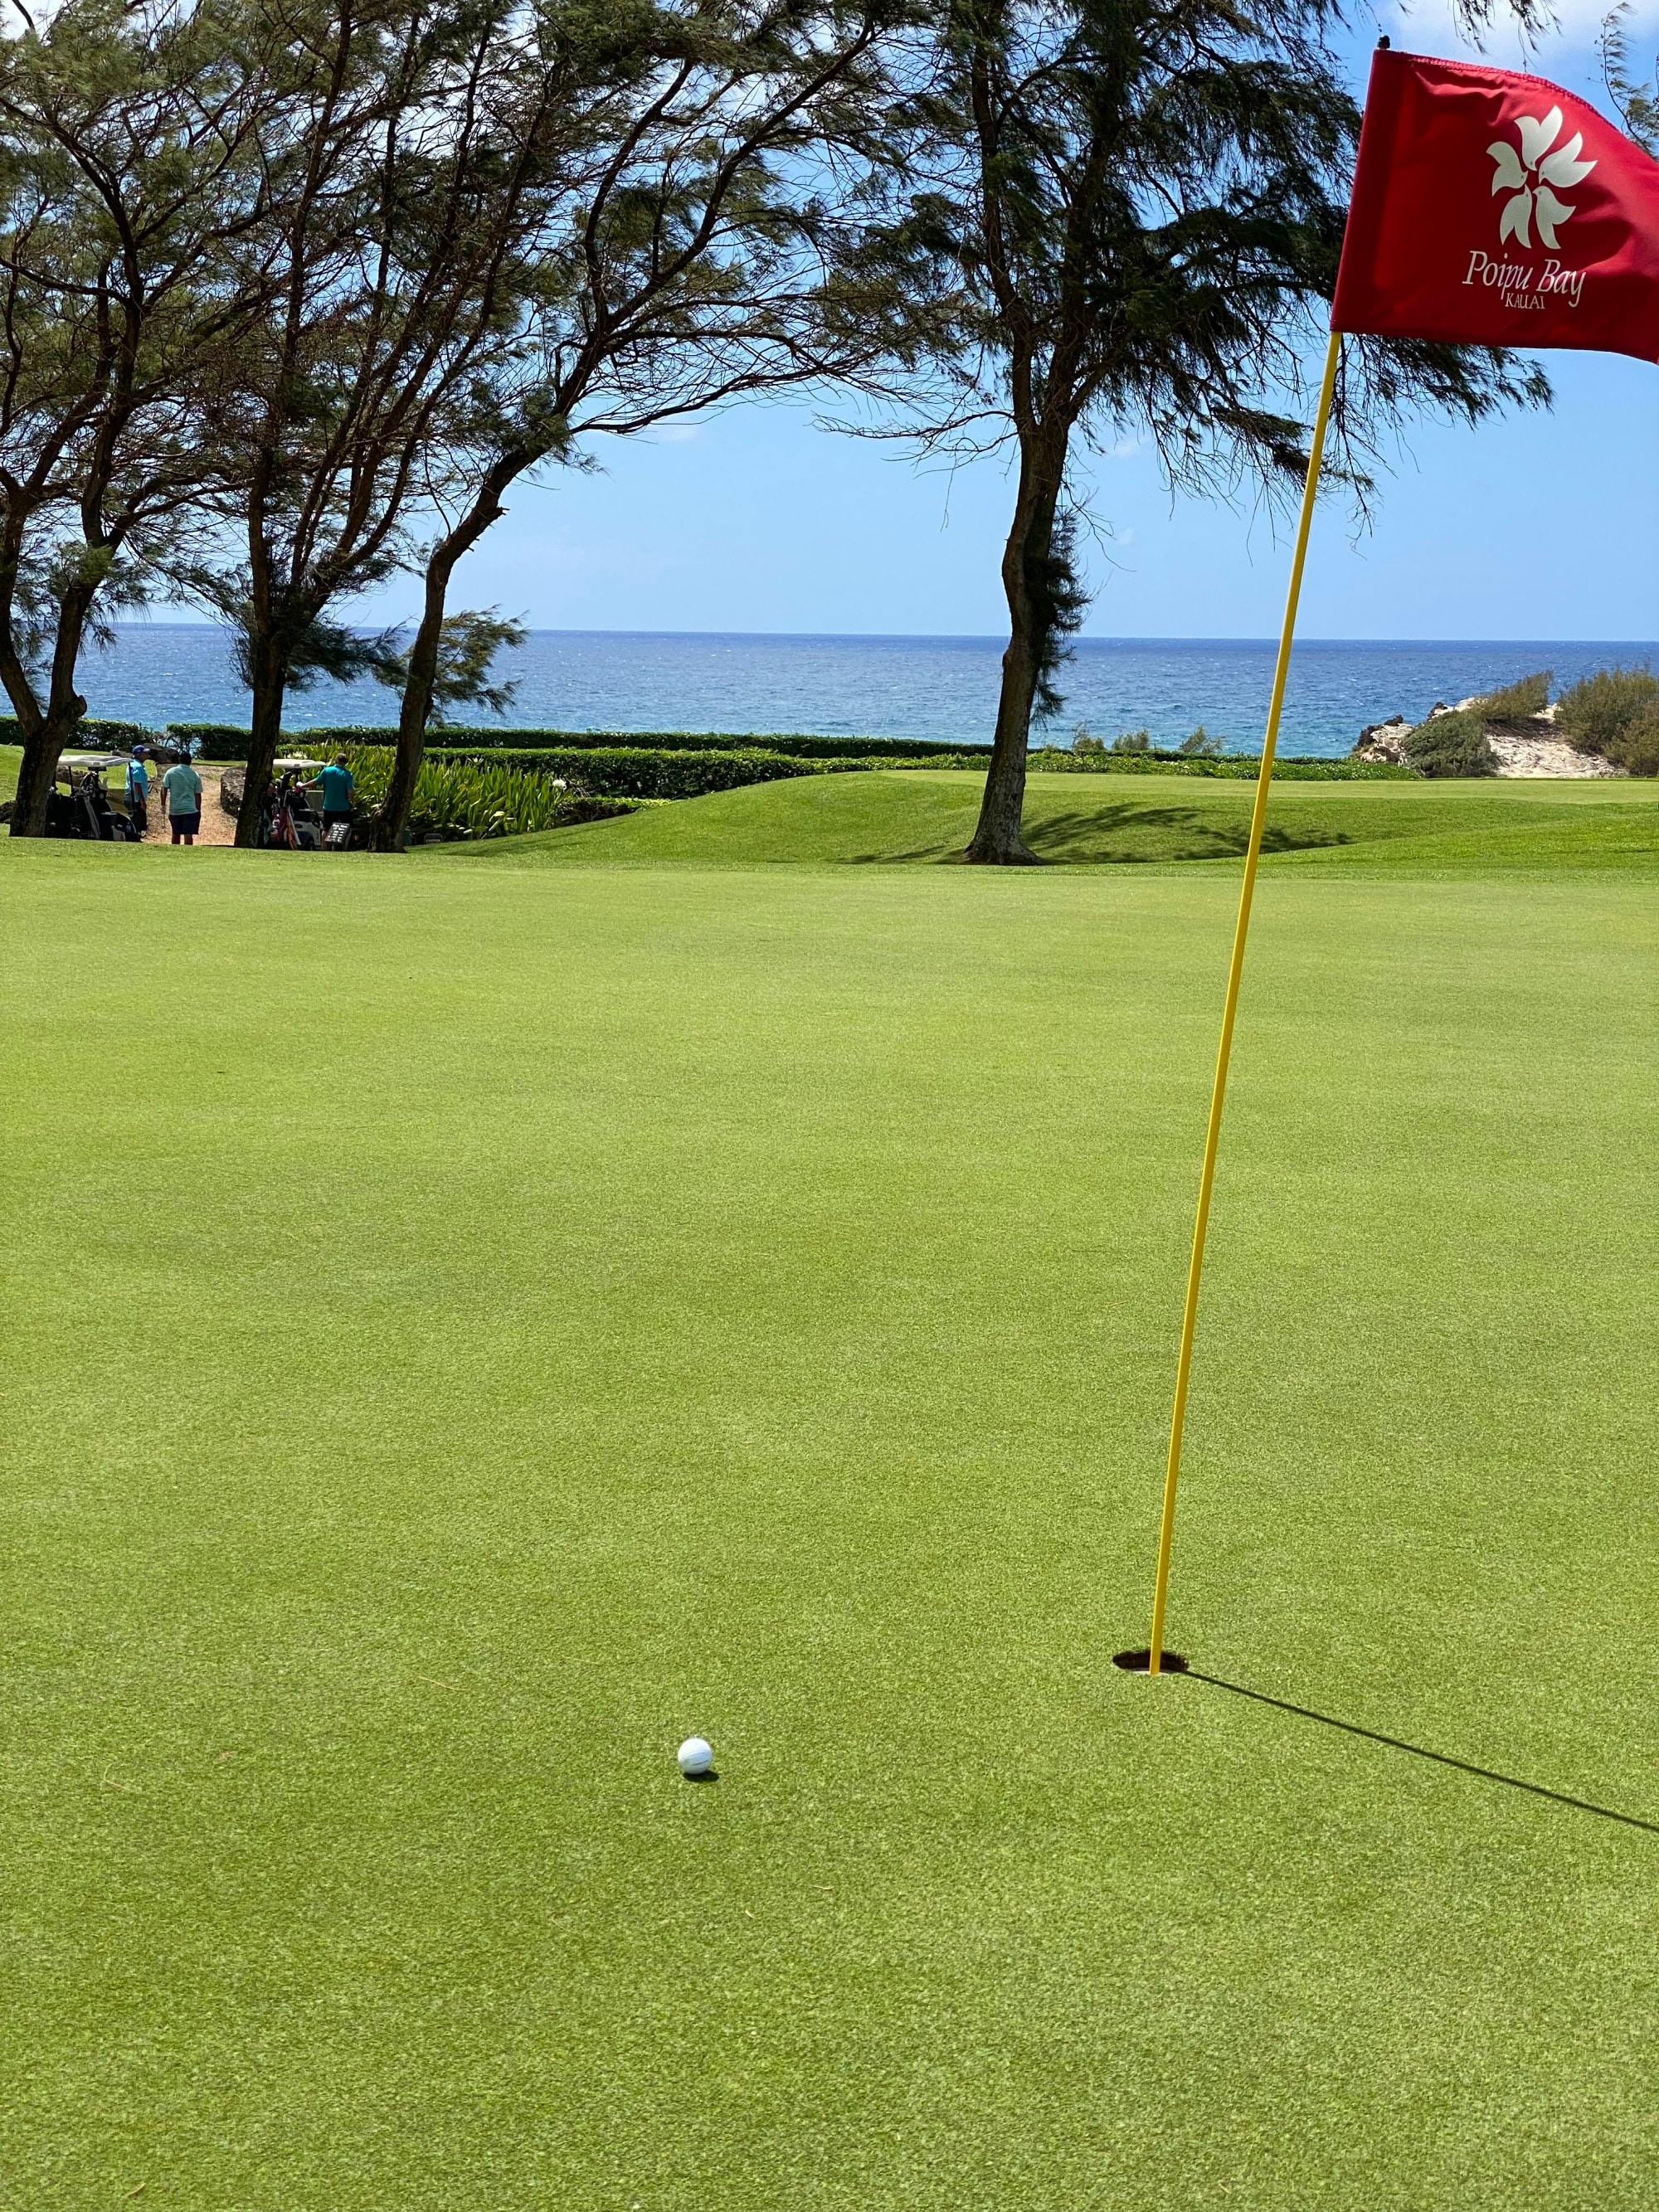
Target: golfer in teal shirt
pixel 335 783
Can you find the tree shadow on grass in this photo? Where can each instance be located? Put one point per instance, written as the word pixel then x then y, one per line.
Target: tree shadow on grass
pixel 1419 1751
pixel 1163 834
pixel 945 849
pixel 1127 836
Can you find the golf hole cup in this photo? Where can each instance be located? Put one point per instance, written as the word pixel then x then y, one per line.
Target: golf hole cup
pixel 696 1756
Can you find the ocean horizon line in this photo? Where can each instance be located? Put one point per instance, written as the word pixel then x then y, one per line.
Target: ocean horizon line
pixel 1196 643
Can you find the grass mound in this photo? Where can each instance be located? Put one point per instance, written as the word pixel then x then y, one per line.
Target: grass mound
pixel 926 816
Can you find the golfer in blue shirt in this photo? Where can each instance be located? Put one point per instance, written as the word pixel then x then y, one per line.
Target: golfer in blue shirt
pixel 139 790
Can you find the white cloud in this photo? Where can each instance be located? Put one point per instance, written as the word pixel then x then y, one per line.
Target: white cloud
pixel 1431 27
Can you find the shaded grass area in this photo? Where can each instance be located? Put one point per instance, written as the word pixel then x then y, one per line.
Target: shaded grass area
pixel 927 816
pixel 744 1300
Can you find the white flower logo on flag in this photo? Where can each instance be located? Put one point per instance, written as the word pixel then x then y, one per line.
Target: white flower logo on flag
pixel 1529 177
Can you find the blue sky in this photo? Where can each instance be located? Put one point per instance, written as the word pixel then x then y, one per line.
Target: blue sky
pixel 1537 526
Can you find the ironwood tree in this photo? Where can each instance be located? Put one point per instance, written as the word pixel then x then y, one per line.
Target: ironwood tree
pixel 129 180
pixel 1125 220
pixel 713 160
pixel 405 204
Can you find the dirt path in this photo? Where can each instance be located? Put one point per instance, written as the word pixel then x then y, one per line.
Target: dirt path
pixel 217 828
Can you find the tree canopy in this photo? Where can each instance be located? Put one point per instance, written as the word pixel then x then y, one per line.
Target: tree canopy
pixel 1123 218
pixel 293 292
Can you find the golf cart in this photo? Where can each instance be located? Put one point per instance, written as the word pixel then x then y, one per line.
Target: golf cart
pixel 83 808
pixel 291 820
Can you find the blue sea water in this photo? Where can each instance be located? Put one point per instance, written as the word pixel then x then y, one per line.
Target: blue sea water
pixel 875 687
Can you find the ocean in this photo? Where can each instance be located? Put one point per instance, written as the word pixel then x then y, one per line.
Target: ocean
pixel 875 687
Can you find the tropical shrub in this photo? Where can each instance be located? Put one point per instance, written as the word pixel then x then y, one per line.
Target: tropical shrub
pixel 1614 713
pixel 1202 745
pixel 1518 702
pixel 476 799
pixel 1451 744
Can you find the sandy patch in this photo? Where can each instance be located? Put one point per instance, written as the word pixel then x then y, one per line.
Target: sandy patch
pixel 217 828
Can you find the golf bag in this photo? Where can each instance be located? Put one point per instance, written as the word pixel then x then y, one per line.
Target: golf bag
pixel 291 821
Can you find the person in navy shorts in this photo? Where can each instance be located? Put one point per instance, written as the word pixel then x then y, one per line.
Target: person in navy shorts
pixel 181 792
pixel 335 784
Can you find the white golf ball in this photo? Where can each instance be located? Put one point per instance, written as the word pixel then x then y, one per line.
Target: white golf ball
pixel 696 1755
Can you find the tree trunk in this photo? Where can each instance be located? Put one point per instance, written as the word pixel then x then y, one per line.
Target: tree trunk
pixel 36 774
pixel 42 746
pixel 997 841
pixel 391 825
pixel 271 680
pixel 392 822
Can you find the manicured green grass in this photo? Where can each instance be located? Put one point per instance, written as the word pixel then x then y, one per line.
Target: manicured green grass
pixel 927 815
pixel 472 1324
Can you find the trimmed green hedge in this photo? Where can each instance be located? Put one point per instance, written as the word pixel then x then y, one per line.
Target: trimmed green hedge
pixel 213 741
pixel 94 735
pixel 1242 767
pixel 634 772
pixel 214 736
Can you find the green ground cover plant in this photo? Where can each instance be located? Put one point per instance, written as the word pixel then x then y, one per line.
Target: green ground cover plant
pixel 679 1352
pixel 466 797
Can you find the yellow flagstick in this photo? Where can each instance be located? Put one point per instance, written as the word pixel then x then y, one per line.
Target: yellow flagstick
pixel 1241 931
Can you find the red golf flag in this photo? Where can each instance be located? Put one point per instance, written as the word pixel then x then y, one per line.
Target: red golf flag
pixel 1490 209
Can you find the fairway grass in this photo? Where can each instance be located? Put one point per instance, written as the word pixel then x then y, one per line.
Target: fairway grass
pixel 473 1322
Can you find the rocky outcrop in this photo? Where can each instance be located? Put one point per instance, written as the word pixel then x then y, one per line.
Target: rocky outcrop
pixel 1384 742
pixel 1529 747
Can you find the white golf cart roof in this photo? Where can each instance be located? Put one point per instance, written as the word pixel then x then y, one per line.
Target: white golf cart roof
pixel 296 760
pixel 92 760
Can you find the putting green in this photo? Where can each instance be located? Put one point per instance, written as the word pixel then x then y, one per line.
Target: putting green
pixel 473 1323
